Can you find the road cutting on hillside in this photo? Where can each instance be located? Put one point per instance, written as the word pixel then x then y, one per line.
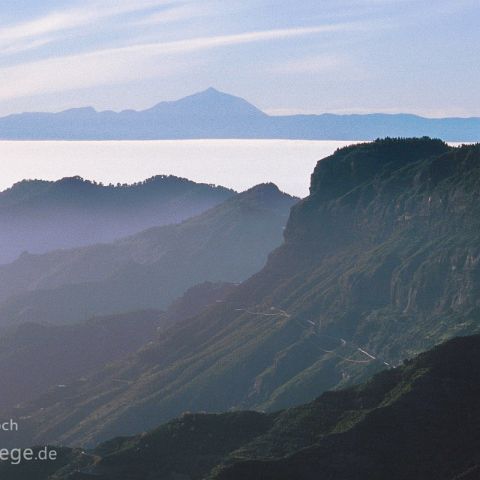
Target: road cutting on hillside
pixel 275 312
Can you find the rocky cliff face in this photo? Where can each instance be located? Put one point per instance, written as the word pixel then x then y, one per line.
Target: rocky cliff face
pixel 386 254
pixel 403 218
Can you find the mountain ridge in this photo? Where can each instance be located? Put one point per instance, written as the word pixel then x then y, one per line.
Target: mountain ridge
pixel 214 114
pixel 40 216
pixel 149 269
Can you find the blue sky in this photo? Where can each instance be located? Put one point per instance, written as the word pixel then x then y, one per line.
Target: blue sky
pixel 310 56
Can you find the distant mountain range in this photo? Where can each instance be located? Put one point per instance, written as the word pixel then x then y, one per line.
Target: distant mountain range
pixel 37 216
pixel 419 421
pixel 213 114
pixel 379 263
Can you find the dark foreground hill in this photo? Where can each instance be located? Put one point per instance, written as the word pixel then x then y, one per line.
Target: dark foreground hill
pixel 214 114
pixel 418 421
pixel 228 242
pixel 38 216
pixel 380 262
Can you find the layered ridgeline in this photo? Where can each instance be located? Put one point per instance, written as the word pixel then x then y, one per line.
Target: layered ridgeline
pixel 228 242
pixel 417 421
pixel 38 358
pixel 38 216
pixel 381 261
pixel 214 114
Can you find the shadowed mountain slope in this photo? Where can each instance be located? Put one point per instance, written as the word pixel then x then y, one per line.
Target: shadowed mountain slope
pixel 37 358
pixel 417 421
pixel 380 262
pixel 38 216
pixel 229 242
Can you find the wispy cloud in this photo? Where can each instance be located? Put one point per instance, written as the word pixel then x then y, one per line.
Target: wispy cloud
pixel 176 13
pixel 123 64
pixel 23 35
pixel 26 45
pixel 202 43
pixel 310 65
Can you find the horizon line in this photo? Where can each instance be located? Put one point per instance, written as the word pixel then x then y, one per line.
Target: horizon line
pixel 268 112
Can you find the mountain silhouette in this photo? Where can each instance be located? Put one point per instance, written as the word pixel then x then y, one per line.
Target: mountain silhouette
pixel 214 114
pixel 209 103
pixel 37 216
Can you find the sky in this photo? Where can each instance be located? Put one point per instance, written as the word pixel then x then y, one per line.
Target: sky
pixel 299 56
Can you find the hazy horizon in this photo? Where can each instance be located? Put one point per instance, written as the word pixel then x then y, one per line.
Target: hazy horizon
pixel 270 112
